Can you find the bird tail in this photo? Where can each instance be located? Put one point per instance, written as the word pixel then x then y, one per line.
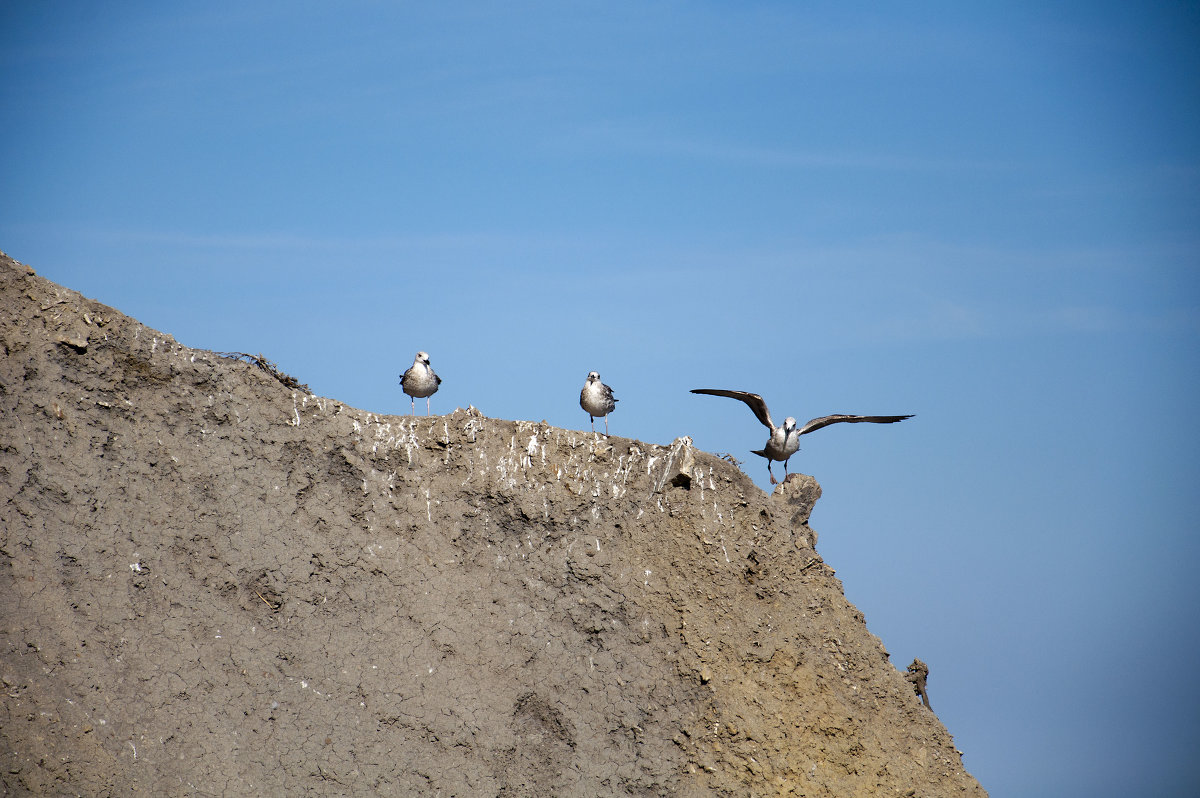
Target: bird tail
pixel 760 452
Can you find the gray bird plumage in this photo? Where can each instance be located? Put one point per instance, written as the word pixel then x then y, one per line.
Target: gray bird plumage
pixel 597 400
pixel 785 441
pixel 419 381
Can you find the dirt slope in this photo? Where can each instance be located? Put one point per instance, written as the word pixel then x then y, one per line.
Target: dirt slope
pixel 214 584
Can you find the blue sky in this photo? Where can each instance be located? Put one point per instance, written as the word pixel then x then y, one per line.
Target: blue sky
pixel 984 214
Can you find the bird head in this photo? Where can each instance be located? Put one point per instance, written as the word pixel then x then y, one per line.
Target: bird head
pixel 593 376
pixel 423 357
pixel 789 425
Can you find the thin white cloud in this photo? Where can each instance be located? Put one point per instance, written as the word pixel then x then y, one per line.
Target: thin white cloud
pixel 964 320
pixel 630 138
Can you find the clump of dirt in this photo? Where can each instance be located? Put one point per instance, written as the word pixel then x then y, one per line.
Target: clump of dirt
pixel 214 582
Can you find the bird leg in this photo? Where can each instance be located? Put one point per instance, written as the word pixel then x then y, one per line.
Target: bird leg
pixel 606 426
pixel 414 404
pixel 593 420
pixel 427 410
pixel 771 474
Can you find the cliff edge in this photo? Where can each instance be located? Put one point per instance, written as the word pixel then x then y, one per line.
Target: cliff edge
pixel 215 583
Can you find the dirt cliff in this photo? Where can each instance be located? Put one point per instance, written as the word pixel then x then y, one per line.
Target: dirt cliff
pixel 214 583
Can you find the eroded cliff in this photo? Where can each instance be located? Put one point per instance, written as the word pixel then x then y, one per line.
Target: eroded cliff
pixel 216 584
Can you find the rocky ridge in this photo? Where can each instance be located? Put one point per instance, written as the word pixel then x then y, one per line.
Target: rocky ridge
pixel 216 584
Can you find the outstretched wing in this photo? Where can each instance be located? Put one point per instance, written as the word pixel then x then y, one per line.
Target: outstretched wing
pixel 825 421
pixel 754 401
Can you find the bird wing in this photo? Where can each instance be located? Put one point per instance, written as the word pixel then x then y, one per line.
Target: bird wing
pixel 755 402
pixel 825 421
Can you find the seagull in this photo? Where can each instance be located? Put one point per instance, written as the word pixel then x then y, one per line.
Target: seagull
pixel 597 399
pixel 785 441
pixel 420 381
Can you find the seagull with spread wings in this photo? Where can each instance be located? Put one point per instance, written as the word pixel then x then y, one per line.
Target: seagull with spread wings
pixel 785 441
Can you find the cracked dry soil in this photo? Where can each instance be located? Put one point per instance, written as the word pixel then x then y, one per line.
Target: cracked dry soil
pixel 213 584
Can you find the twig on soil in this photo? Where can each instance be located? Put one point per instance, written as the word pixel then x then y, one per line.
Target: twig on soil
pixel 268 367
pixel 269 604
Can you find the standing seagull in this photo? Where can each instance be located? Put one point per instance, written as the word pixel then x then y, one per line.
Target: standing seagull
pixel 785 441
pixel 420 381
pixel 597 399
